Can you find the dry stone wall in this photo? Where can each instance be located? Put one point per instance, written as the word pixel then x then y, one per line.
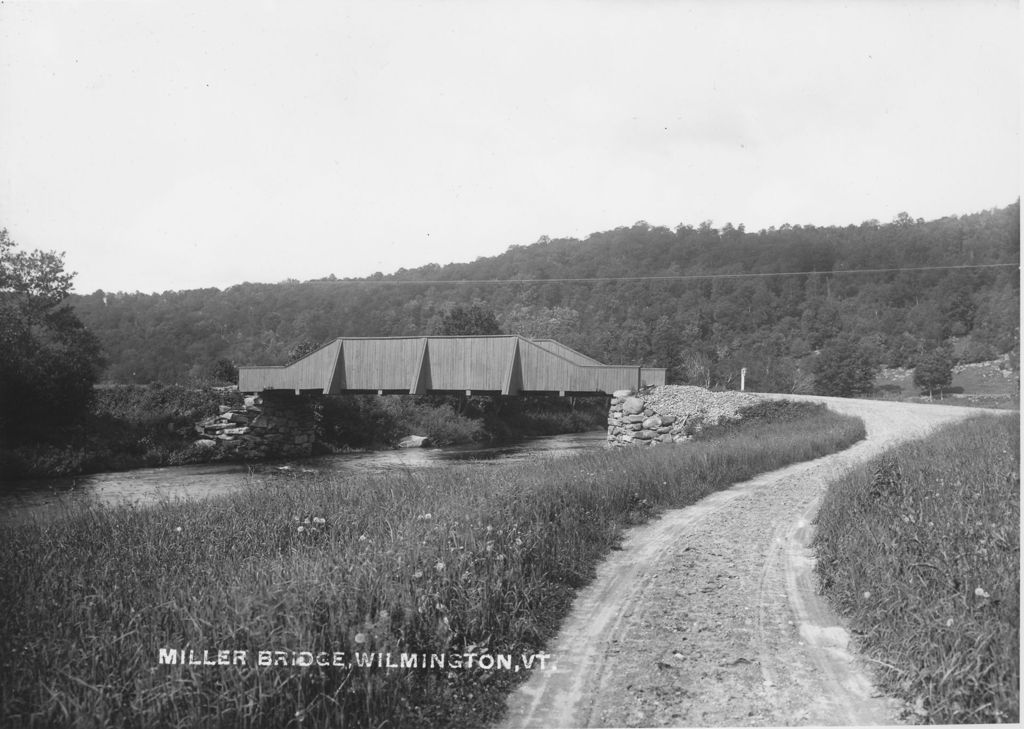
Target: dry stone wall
pixel 269 426
pixel 669 413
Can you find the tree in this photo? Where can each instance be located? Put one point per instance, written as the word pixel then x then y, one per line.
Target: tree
pixel 224 370
pixel 540 322
pixel 934 371
pixel 300 350
pixel 844 368
pixel 50 361
pixel 697 366
pixel 462 320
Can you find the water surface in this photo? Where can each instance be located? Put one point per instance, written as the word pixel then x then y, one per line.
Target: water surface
pixel 151 485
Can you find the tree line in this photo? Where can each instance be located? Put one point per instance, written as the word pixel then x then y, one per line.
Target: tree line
pixel 700 301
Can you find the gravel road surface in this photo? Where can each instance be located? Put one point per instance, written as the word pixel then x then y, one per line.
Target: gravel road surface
pixel 709 615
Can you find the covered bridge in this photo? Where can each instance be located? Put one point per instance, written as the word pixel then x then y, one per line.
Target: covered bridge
pixel 505 365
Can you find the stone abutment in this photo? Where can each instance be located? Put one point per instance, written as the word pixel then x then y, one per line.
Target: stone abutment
pixel 271 425
pixel 669 413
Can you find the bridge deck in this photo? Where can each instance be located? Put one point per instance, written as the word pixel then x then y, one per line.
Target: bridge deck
pixel 507 365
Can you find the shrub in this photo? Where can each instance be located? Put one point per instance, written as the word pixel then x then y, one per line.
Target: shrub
pixel 844 368
pixel 150 404
pixel 374 421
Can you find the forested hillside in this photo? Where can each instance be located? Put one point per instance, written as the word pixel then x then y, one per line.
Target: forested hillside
pixel 699 300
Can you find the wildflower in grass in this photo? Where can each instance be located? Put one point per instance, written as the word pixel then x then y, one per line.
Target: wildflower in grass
pixel 867 594
pixel 980 592
pixel 439 566
pixel 417 574
pixel 949 623
pixel 301 529
pixel 519 542
pixel 362 537
pixel 424 517
pixel 319 520
pixel 177 529
pixel 360 638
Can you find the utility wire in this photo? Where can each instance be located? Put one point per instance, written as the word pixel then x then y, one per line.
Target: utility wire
pixel 689 277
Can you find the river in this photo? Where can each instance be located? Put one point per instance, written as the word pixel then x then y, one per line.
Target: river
pixel 150 485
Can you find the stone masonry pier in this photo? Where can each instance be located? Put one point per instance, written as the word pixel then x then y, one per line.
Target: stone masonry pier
pixel 669 413
pixel 271 425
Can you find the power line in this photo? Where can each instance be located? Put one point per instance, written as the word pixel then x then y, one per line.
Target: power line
pixel 689 277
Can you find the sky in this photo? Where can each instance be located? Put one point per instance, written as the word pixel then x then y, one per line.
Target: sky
pixel 178 145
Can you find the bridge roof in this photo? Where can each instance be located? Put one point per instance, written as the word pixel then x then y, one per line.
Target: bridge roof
pixel 504 364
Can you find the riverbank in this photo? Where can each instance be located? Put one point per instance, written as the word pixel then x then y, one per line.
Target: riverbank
pixel 147 426
pixel 126 427
pixel 469 560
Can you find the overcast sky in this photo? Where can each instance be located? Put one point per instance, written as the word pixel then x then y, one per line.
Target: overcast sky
pixel 174 145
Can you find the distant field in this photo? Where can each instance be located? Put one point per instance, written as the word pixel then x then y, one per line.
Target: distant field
pixel 977 385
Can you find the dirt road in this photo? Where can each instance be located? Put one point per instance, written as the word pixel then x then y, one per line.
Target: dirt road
pixel 709 615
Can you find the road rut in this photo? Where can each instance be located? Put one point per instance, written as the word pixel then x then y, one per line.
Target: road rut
pixel 709 615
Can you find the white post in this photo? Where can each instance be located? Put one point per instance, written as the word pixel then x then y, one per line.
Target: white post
pixel 743 378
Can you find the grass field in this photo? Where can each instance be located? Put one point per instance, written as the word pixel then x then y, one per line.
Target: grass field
pixel 983 384
pixel 921 549
pixel 480 559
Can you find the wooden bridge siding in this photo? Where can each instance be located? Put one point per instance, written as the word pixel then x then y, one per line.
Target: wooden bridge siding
pixel 438 364
pixel 482 365
pixel 314 372
pixel 257 379
pixel 652 376
pixel 612 378
pixel 380 364
pixel 309 373
pixel 593 376
pixel 542 371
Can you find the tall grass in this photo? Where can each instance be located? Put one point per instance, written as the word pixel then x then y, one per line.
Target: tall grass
pixel 478 557
pixel 921 549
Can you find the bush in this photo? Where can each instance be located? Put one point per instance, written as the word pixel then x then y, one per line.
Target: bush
pixel 151 404
pixel 371 421
pixel 128 426
pixel 844 368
